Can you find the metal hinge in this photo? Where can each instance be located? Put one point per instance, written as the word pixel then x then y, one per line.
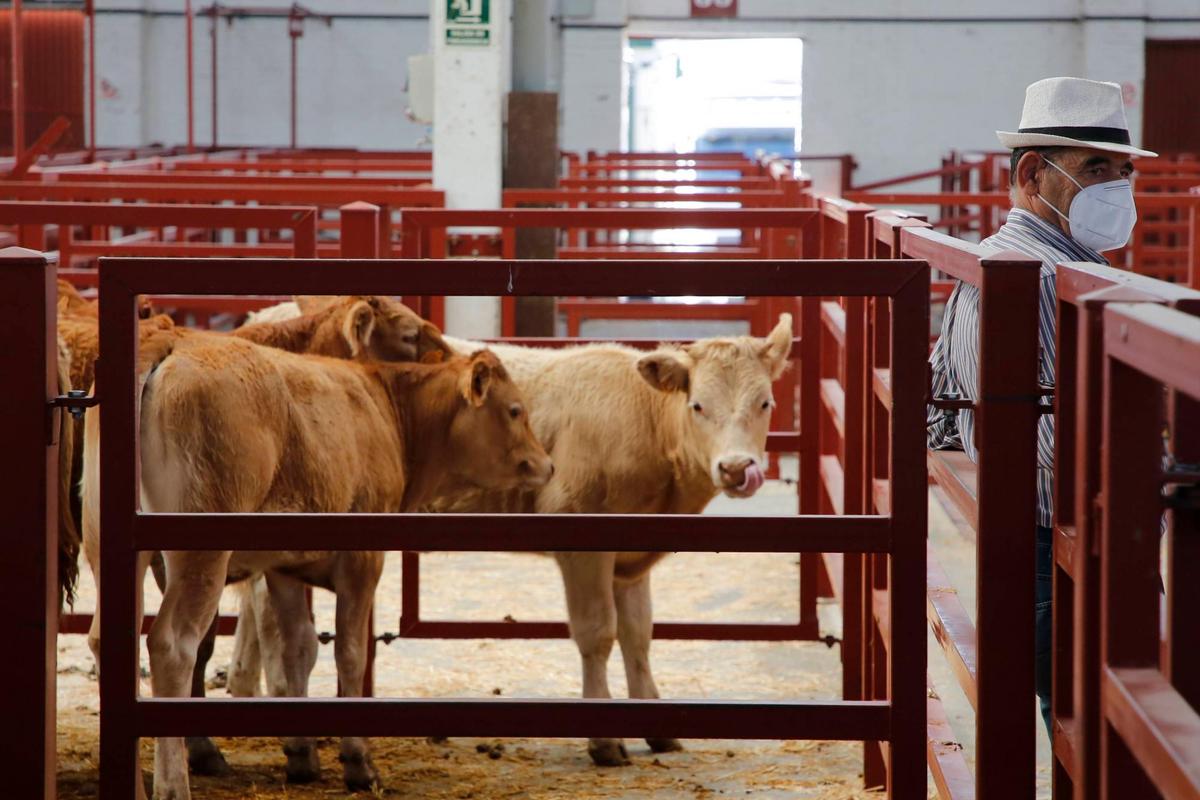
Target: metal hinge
pixel 75 401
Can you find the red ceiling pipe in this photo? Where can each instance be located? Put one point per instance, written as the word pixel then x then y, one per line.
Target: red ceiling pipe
pixel 191 106
pixel 90 10
pixel 18 90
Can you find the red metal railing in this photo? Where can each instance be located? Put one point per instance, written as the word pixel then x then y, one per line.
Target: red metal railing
pixel 424 234
pixel 996 497
pixel 323 196
pixel 1148 723
pixel 1083 292
pixel 1162 245
pixel 899 719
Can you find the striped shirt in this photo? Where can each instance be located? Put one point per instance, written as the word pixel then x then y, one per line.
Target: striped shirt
pixel 955 360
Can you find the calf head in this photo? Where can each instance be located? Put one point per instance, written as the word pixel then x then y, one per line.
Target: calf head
pixel 491 444
pixel 727 387
pixel 377 328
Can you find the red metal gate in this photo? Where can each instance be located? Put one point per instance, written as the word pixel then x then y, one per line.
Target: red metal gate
pixel 900 719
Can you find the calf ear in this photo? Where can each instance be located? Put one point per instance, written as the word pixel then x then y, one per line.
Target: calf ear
pixel 777 346
pixel 312 303
pixel 476 390
pixel 431 345
pixel 664 371
pixel 357 328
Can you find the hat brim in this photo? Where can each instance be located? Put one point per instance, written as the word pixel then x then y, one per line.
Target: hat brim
pixel 1014 140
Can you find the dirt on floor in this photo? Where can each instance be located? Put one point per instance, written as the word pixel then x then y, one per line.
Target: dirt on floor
pixel 700 587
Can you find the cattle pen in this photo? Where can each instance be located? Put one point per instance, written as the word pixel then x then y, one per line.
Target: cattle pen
pixel 397 364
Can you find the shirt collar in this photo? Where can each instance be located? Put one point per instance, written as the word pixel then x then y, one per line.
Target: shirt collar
pixel 1052 235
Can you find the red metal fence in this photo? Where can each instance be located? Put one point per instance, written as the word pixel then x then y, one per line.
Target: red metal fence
pixel 1149 725
pixel 898 534
pixel 1084 290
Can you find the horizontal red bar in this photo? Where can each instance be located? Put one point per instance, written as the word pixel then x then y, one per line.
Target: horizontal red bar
pixel 1158 726
pixel 81 623
pixel 551 278
pixel 410 717
pixel 690 631
pixel 619 218
pixel 514 532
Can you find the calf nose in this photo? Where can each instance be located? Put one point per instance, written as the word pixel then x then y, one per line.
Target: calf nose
pixel 733 470
pixel 543 468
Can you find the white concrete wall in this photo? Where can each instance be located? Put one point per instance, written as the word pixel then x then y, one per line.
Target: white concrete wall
pixel 897 82
pixel 900 83
pixel 351 74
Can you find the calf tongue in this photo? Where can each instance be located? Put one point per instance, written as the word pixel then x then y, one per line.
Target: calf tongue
pixel 752 479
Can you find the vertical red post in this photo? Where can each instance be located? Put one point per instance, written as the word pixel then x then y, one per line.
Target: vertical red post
pixel 295 31
pixel 91 15
pixel 29 591
pixel 191 105
pixel 18 88
pixel 119 669
pixel 360 230
pixel 304 236
pixel 1006 435
pixel 1193 273
pixel 907 666
pixel 1131 483
pixel 215 17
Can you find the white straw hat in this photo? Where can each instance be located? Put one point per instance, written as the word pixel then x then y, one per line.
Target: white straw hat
pixel 1073 112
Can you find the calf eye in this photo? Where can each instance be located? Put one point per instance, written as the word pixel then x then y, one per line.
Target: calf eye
pixel 699 409
pixel 514 411
pixel 766 404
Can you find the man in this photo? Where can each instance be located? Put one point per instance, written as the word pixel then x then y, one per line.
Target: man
pixel 1071 201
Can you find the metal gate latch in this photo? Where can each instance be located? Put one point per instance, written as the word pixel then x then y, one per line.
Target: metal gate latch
pixel 76 401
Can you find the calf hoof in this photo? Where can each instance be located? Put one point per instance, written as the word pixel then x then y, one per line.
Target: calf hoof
pixel 204 758
pixel 303 764
pixel 360 773
pixel 664 745
pixel 608 752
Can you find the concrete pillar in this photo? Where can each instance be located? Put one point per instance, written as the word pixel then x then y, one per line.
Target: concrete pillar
pixel 472 50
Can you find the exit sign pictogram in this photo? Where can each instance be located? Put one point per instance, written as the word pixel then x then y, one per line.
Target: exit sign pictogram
pixel 714 8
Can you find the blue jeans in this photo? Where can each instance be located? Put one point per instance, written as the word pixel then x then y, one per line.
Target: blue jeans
pixel 1044 620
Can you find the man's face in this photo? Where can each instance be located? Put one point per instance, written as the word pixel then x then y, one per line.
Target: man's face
pixel 1085 165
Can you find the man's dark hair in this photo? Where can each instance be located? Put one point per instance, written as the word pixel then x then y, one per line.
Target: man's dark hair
pixel 1020 151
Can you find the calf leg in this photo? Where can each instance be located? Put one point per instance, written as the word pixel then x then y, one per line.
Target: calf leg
pixel 246 665
pixel 355 578
pixel 204 757
pixel 635 628
pixel 299 654
pixel 188 606
pixel 588 580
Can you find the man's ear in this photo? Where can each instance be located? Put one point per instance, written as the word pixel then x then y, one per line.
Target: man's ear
pixel 664 371
pixel 357 328
pixel 1027 174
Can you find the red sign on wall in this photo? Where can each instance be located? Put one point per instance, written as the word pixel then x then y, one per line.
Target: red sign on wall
pixel 714 8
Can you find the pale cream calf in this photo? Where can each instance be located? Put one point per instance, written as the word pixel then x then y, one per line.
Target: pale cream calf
pixel 630 432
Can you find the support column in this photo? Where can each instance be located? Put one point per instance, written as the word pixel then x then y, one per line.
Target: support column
pixel 472 51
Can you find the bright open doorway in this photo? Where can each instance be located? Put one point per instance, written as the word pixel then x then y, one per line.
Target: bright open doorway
pixel 714 95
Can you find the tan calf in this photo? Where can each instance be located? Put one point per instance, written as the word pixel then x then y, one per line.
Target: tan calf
pixel 228 426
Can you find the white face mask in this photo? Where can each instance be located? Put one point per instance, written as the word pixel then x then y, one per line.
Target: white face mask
pixel 1102 215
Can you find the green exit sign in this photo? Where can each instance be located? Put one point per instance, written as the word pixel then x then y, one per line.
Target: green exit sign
pixel 468 22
